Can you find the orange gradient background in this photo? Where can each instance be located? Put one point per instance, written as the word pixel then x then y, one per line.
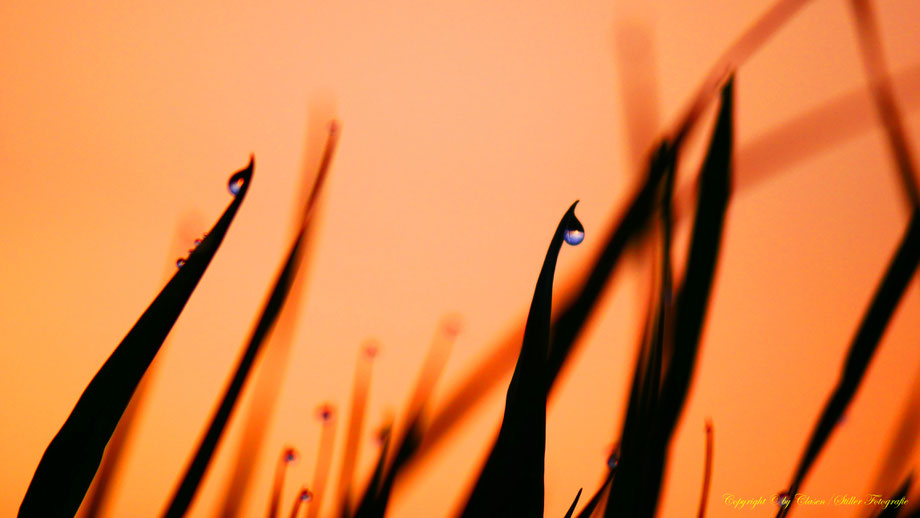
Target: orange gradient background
pixel 467 129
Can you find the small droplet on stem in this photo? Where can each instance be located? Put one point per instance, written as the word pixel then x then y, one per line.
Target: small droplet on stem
pixel 180 262
pixel 325 413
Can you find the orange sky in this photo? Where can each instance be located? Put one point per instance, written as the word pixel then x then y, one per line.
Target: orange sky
pixel 468 128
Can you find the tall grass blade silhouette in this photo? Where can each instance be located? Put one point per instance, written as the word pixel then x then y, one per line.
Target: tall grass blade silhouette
pixel 886 299
pixel 195 471
pixel 511 483
pixel 69 464
pixel 489 371
pixel 647 435
pixel 367 503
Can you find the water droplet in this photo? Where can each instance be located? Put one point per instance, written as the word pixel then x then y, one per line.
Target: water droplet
pixel 236 183
pixel 325 413
pixel 371 350
pixel 613 460
pixel 290 455
pixel 306 495
pixel 574 232
pixel 196 242
pixel 180 263
pixel 782 499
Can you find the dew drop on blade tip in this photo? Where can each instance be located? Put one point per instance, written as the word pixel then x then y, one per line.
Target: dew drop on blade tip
pixel 290 455
pixel 180 263
pixel 306 495
pixel 196 242
pixel 574 237
pixel 236 184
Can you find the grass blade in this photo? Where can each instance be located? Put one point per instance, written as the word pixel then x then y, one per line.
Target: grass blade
pixel 892 510
pixel 515 465
pixel 707 471
pixel 886 299
pixel 355 424
pixel 288 456
pixel 68 465
pixel 636 488
pixel 323 459
pixel 195 471
pixel 571 510
pixel 270 375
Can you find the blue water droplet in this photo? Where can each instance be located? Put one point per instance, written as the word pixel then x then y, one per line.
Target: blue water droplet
pixel 574 237
pixel 180 263
pixel 782 499
pixel 574 231
pixel 325 413
pixel 613 460
pixel 236 183
pixel 196 242
pixel 306 495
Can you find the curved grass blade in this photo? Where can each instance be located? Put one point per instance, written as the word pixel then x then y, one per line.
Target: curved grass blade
pixel 511 483
pixel 68 465
pixel 707 471
pixel 571 510
pixel 185 492
pixel 886 299
pixel 645 440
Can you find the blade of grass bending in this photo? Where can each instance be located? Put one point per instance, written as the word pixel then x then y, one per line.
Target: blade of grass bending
pixel 886 299
pixel 571 510
pixel 68 465
pixel 355 424
pixel 707 471
pixel 195 471
pixel 269 377
pixel 637 485
pixel 511 482
pixel 303 496
pixel 883 95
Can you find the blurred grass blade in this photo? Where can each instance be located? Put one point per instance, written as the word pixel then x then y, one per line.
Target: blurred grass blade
pixel 883 95
pixel 270 375
pixel 511 483
pixel 288 455
pixel 707 471
pixel 355 425
pixel 571 510
pixel 892 510
pixel 68 465
pixel 195 471
pixel 323 460
pixel 886 299
pixel 366 505
pixel 635 491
